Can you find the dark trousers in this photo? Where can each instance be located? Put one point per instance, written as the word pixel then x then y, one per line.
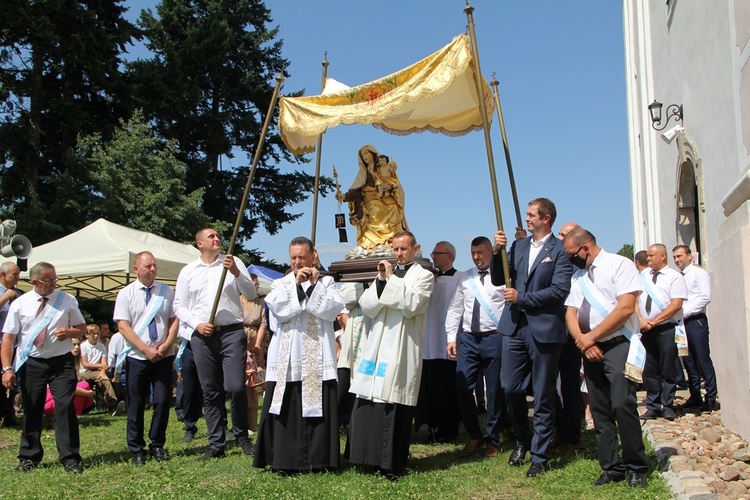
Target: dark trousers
pixel 60 374
pixel 614 406
pixel 526 361
pixel 191 396
pixel 142 375
pixel 344 398
pixel 699 362
pixel 437 405
pixel 568 412
pixel 477 353
pixel 220 360
pixel 659 372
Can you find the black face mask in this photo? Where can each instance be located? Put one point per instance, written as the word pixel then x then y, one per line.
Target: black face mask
pixel 577 260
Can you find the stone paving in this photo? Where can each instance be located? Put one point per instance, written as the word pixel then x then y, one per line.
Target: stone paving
pixel 698 457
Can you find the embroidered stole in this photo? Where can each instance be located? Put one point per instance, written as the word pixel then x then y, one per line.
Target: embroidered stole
pixel 312 363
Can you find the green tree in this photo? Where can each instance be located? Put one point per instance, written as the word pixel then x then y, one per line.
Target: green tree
pixel 626 251
pixel 208 86
pixel 137 181
pixel 59 71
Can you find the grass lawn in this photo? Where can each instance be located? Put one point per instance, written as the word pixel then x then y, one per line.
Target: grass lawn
pixel 436 471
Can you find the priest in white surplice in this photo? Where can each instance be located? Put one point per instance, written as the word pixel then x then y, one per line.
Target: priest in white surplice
pixel 387 379
pixel 299 428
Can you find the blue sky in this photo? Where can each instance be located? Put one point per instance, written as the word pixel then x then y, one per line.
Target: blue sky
pixel 562 87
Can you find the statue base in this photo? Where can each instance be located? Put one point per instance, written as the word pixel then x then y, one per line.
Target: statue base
pixel 364 270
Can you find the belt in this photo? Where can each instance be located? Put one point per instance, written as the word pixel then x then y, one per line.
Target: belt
pixel 614 341
pixel 662 328
pixel 484 334
pixel 228 328
pixel 696 316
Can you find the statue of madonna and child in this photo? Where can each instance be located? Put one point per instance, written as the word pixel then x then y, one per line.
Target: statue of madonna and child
pixel 376 205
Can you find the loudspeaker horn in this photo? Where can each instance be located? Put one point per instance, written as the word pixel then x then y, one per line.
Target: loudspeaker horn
pixel 18 246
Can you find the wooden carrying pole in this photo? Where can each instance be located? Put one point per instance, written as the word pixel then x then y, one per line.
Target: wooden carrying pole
pixel 246 194
pixel 317 158
pixel 512 179
pixel 468 10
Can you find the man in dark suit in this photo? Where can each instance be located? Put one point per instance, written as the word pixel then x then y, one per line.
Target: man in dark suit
pixel 533 323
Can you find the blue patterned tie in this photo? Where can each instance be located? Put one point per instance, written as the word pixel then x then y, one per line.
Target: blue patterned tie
pixel 151 326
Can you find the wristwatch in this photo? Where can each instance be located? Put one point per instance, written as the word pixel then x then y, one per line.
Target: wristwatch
pixel 5 369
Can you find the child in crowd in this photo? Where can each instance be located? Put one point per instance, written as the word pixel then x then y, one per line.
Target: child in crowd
pixel 94 368
pixel 84 396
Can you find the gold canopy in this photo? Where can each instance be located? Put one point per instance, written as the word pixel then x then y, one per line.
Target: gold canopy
pixel 437 94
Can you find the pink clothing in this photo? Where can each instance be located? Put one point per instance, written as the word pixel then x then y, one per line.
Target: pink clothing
pixel 80 402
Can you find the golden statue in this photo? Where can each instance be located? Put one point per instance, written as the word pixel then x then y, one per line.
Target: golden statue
pixel 376 204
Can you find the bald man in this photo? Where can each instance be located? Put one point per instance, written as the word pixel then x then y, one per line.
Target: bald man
pixel 9 275
pixel 660 310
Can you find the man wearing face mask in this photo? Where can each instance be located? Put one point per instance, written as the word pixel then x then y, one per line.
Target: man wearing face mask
pixel 601 318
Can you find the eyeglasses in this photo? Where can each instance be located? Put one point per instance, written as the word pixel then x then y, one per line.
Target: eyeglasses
pixel 433 254
pixel 47 282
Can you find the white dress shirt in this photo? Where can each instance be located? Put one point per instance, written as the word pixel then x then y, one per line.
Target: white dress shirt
pixel 670 285
pixel 196 291
pixel 613 275
pixel 131 306
pixel 698 291
pixel 23 311
pixel 462 306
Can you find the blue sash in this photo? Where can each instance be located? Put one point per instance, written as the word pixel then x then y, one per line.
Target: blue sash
pixel 141 327
pixel 24 350
pixel 636 360
pixel 680 337
pixel 481 295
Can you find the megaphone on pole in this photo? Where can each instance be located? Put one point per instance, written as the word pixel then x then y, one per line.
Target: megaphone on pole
pixel 13 245
pixel 17 246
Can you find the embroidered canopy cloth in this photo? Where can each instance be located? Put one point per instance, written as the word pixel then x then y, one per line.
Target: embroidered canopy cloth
pixel 437 94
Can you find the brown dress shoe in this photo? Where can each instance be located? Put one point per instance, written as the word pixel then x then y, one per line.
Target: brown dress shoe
pixel 471 446
pixel 491 451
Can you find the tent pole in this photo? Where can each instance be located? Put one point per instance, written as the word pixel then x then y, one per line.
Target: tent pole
pixel 468 10
pixel 317 158
pixel 512 179
pixel 246 194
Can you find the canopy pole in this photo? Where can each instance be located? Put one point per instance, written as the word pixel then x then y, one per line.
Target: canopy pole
pixel 468 10
pixel 317 157
pixel 512 179
pixel 246 194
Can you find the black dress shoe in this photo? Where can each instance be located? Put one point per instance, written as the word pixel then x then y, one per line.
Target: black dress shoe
pixel 517 456
pixel 139 458
pixel 651 415
pixel 710 405
pixel 73 466
pixel 210 453
pixel 159 454
pixel 25 466
pixel 668 414
pixel 636 479
pixel 608 477
pixel 188 437
pixel 692 403
pixel 536 469
pixel 246 445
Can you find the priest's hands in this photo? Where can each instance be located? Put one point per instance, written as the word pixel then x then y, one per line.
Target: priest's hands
pixel 385 269
pixel 310 274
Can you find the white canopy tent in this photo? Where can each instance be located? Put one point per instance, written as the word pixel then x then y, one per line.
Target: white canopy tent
pixel 97 261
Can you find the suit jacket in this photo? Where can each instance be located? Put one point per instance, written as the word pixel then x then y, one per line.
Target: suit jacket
pixel 541 291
